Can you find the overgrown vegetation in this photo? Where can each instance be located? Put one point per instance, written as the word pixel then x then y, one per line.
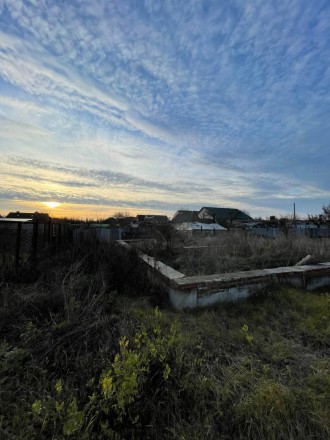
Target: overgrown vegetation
pixel 231 252
pixel 87 354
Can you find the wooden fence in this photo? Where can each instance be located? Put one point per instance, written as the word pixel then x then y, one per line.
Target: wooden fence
pixel 26 241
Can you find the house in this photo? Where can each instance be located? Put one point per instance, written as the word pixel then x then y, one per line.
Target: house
pixel 222 215
pixel 39 216
pixel 311 229
pixel 123 222
pixel 182 216
pixel 198 228
pixel 145 223
pixel 151 219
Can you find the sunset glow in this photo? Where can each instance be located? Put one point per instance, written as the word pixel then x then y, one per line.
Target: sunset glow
pixel 51 205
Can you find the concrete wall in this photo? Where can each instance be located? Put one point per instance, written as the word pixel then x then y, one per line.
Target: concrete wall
pixel 224 295
pixel 202 291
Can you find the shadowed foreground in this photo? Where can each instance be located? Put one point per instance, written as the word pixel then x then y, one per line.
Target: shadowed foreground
pixel 86 353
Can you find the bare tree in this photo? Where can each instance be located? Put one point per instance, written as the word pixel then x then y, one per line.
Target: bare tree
pixel 233 215
pixel 317 220
pixel 121 214
pixel 326 212
pixel 120 218
pixel 167 234
pixel 285 224
pixel 321 219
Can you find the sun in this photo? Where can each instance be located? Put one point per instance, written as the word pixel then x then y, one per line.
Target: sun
pixel 51 205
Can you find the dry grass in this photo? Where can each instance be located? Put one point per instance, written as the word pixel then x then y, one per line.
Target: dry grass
pixel 84 355
pixel 231 252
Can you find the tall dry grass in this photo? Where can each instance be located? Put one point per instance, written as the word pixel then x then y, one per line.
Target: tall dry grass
pixel 231 252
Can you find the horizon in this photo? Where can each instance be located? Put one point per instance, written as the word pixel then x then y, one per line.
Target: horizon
pixel 127 214
pixel 157 106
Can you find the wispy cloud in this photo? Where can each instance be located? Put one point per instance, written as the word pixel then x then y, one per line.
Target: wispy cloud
pixel 182 102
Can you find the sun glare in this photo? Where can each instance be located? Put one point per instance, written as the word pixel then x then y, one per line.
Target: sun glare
pixel 51 204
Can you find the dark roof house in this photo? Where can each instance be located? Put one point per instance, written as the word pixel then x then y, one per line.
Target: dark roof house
pixel 182 216
pixel 151 218
pixel 114 222
pixel 139 218
pixel 222 215
pixel 40 216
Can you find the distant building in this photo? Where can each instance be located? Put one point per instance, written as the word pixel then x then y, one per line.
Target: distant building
pixel 122 222
pixel 222 215
pixel 41 217
pixel 145 223
pixel 182 216
pixel 151 219
pixel 200 229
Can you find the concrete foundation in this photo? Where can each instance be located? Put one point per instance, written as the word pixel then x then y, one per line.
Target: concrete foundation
pixel 205 290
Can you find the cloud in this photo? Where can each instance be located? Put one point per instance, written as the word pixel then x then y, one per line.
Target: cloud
pixel 215 100
pixel 51 172
pixel 76 185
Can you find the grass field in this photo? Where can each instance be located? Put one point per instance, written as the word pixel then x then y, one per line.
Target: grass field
pixel 89 351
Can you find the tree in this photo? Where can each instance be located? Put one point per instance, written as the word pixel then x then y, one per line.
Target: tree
pixel 233 214
pixel 167 234
pixel 285 223
pixel 317 220
pixel 321 219
pixel 120 215
pixel 120 218
pixel 326 212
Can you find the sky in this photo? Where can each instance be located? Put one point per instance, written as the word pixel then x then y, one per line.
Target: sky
pixel 153 106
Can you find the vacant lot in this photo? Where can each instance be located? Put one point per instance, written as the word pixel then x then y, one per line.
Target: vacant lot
pixel 238 251
pixel 85 353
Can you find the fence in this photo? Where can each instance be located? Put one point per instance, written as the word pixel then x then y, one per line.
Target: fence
pixel 24 241
pixel 298 232
pixel 97 234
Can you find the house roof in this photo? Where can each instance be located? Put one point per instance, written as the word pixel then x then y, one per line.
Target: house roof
pixel 156 218
pixel 28 215
pixel 227 213
pixel 140 217
pixel 182 216
pixel 17 214
pixel 124 221
pixel 152 218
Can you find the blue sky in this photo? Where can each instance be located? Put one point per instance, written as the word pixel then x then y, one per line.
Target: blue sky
pixel 156 105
